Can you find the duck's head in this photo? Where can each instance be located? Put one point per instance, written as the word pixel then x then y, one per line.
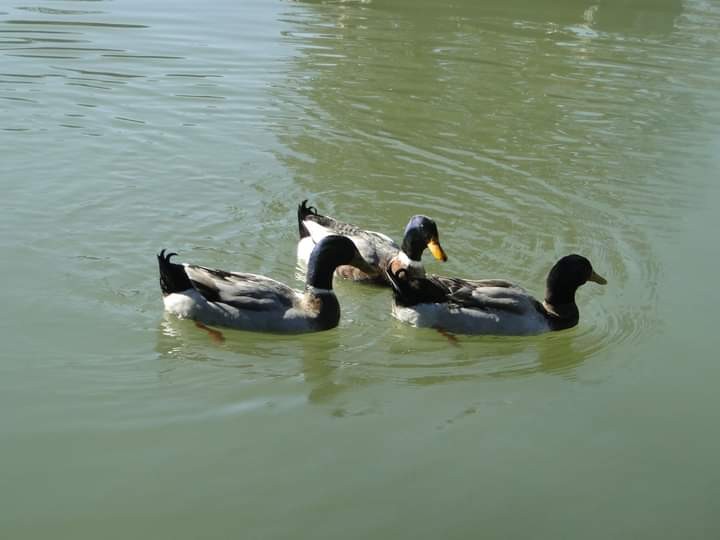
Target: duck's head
pixel 329 253
pixel 569 273
pixel 420 233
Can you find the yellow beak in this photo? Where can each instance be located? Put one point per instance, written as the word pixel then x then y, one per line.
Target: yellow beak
pixel 437 250
pixel 597 278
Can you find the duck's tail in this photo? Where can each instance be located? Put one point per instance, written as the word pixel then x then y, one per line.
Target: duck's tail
pixel 304 211
pixel 172 276
pixel 397 280
pixel 410 291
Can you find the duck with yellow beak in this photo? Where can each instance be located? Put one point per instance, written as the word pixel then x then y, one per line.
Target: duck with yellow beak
pixel 379 250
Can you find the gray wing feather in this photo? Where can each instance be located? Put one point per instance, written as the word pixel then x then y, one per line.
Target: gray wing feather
pixel 240 290
pixel 376 248
pixel 486 294
pixel 337 227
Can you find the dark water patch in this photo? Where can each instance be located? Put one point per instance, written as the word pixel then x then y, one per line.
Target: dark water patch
pixel 53 11
pixel 23 75
pixel 5 31
pixel 74 23
pixel 200 96
pixel 51 57
pixel 74 49
pixel 13 98
pixel 103 73
pixel 58 40
pixel 114 82
pixel 88 85
pixel 193 75
pixel 90 258
pixel 144 56
pixel 131 120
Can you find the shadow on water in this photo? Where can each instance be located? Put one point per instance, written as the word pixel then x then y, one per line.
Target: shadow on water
pixel 635 17
pixel 430 359
pixel 314 357
pixel 328 369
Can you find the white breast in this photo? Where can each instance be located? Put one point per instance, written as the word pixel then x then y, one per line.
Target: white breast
pixel 184 304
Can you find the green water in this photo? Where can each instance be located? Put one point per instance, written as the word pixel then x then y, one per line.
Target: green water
pixel 527 129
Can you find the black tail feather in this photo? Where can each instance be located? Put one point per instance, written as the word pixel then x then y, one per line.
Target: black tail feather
pixel 410 291
pixel 395 280
pixel 304 211
pixel 172 276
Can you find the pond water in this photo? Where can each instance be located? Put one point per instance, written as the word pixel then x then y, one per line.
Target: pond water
pixel 526 129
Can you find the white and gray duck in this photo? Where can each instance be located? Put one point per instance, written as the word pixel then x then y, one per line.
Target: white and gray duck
pixel 258 303
pixel 378 249
pixel 491 306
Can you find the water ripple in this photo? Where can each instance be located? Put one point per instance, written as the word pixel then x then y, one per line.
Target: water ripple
pixel 33 22
pixel 524 139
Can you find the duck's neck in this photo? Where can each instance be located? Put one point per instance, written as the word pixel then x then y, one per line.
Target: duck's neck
pixel 562 311
pixel 319 297
pixel 402 260
pixel 413 246
pixel 320 271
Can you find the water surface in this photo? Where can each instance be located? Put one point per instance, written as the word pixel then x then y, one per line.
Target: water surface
pixel 528 130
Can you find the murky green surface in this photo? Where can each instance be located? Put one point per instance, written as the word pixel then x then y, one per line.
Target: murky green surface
pixel 527 129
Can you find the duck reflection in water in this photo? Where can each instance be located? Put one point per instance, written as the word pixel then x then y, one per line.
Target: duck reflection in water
pixel 319 355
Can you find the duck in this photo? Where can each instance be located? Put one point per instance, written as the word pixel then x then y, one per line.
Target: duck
pixel 257 303
pixel 491 306
pixel 378 249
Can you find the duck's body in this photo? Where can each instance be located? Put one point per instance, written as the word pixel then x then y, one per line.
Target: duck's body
pixel 249 302
pixel 257 303
pixel 478 309
pixel 377 249
pixel 494 306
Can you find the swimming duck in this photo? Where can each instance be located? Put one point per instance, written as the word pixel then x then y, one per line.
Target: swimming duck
pixel 379 250
pixel 258 303
pixel 492 306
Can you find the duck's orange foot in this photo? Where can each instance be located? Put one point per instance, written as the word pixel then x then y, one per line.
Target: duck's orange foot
pixel 215 335
pixel 452 338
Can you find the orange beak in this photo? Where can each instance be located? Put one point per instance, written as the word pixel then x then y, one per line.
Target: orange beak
pixel 437 250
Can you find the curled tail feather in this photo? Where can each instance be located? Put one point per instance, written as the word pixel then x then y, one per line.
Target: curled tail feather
pixel 410 291
pixel 172 276
pixel 304 211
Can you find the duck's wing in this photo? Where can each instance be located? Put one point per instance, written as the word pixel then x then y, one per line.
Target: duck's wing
pixel 459 283
pixel 383 238
pixel 486 294
pixel 374 247
pixel 242 291
pixel 318 226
